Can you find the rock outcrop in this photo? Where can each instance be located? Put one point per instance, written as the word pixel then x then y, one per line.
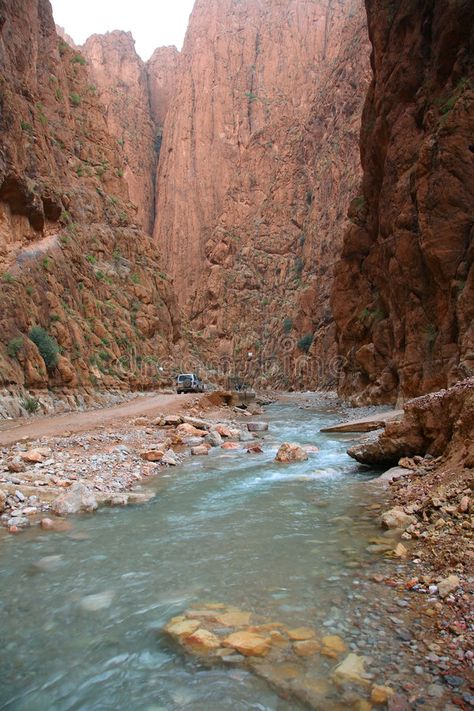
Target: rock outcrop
pixel 440 424
pixel 73 261
pixel 258 161
pixel 403 294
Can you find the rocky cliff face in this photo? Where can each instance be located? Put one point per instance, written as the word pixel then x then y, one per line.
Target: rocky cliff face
pixel 73 260
pixel 122 85
pixel 403 295
pixel 136 96
pixel 258 160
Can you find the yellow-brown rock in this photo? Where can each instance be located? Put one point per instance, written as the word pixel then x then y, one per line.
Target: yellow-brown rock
pixel 202 642
pixel 234 619
pixel 306 648
pixel 180 627
pixel 334 643
pixel 350 670
pixel 248 643
pixel 381 694
pixel 301 633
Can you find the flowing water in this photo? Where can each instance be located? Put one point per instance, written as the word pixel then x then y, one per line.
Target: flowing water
pixel 82 613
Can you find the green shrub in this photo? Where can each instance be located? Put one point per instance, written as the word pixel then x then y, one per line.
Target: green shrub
pixel 287 325
pixel 14 346
pixel 304 344
pixel 58 94
pixel 30 404
pixel 25 126
pixel 46 263
pixel 92 259
pixel 8 278
pixel 62 47
pixel 74 98
pixel 78 59
pixel 47 346
pixel 135 278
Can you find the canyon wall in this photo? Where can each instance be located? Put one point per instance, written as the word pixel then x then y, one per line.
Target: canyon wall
pixel 74 263
pixel 403 296
pixel 136 97
pixel 259 158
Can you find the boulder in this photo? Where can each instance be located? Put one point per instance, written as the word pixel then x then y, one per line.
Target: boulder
pixel 188 430
pixel 289 452
pixel 152 455
pixel 223 430
pixel 197 422
pixel 213 438
pixel 76 499
pixel 448 585
pixel 172 420
pixel 32 456
pixel 257 426
pixel 201 449
pixel 397 518
pixel 230 445
pixel 3 498
pixel 169 458
pixel 16 465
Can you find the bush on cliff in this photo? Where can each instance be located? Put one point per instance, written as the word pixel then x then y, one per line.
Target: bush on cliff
pixel 47 346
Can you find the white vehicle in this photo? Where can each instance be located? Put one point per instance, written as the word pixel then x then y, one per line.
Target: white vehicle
pixel 189 383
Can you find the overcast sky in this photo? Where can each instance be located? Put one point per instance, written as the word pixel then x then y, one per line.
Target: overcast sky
pixel 153 23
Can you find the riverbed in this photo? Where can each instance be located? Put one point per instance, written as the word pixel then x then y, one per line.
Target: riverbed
pixel 83 612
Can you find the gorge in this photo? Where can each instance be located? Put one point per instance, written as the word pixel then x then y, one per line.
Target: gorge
pixel 283 207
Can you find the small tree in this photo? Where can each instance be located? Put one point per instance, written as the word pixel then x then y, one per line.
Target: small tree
pixel 304 344
pixel 47 346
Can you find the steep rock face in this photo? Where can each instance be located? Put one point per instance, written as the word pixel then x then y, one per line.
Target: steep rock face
pixel 122 83
pixel 403 295
pixel 161 69
pixel 72 261
pixel 259 157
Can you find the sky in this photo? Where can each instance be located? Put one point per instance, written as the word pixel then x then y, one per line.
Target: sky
pixel 153 23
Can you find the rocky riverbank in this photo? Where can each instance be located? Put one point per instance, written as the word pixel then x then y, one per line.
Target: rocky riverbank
pixel 42 480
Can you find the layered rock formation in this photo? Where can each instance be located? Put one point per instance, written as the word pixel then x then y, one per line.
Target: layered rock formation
pixel 73 262
pixel 258 160
pixel 403 295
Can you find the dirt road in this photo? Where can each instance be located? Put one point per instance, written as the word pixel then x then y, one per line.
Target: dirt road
pixel 36 427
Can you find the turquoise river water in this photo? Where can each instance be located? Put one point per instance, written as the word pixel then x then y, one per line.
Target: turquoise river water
pixel 82 630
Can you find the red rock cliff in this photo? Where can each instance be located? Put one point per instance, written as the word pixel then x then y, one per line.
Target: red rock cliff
pixel 122 84
pixel 72 259
pixel 258 160
pixel 403 296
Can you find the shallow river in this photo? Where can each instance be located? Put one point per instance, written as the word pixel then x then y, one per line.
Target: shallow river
pixel 281 540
